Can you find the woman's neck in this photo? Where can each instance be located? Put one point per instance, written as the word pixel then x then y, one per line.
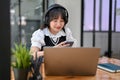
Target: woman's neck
pixel 53 32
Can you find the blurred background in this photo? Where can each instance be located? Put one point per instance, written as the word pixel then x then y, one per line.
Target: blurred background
pixel 94 23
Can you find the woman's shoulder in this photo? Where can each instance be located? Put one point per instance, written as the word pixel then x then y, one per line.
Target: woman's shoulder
pixel 67 30
pixel 38 32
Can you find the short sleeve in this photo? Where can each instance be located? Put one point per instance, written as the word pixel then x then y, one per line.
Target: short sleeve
pixel 69 37
pixel 37 39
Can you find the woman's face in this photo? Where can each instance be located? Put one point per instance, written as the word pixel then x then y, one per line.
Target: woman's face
pixel 56 25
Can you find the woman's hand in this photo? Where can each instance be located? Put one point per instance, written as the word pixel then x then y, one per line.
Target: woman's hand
pixel 35 50
pixel 38 53
pixel 62 44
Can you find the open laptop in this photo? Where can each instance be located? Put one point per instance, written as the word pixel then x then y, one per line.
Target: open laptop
pixel 70 61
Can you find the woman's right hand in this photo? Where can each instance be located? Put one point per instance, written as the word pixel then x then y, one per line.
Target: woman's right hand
pixel 36 50
pixel 39 53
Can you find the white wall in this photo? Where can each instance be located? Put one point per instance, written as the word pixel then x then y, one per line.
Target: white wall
pixel 73 7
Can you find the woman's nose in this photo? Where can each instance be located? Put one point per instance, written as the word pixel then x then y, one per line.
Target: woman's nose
pixel 58 23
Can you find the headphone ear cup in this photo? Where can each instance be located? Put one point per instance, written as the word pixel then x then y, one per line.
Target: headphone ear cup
pixel 66 17
pixel 46 20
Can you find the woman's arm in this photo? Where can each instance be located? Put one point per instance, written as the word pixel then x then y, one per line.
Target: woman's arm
pixel 69 37
pixel 37 40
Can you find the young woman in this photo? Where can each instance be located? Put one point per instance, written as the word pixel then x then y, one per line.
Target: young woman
pixel 53 33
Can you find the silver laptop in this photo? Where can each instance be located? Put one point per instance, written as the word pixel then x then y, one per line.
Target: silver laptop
pixel 70 61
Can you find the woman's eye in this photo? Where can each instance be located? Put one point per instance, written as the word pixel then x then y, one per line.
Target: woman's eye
pixel 55 20
pixel 62 21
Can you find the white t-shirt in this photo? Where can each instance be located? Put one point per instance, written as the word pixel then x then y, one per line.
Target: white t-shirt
pixel 37 38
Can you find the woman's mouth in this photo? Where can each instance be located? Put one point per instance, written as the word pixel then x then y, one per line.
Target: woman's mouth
pixel 58 27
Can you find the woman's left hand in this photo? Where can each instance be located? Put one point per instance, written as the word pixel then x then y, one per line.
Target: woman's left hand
pixel 62 44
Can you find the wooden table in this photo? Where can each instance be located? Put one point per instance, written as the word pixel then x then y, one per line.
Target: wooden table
pixel 100 74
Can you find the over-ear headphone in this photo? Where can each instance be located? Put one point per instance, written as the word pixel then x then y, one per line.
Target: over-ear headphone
pixel 54 6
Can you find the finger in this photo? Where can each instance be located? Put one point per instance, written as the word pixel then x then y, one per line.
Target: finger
pixel 66 45
pixel 62 43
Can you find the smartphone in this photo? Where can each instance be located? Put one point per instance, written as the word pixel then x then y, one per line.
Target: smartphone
pixel 69 42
